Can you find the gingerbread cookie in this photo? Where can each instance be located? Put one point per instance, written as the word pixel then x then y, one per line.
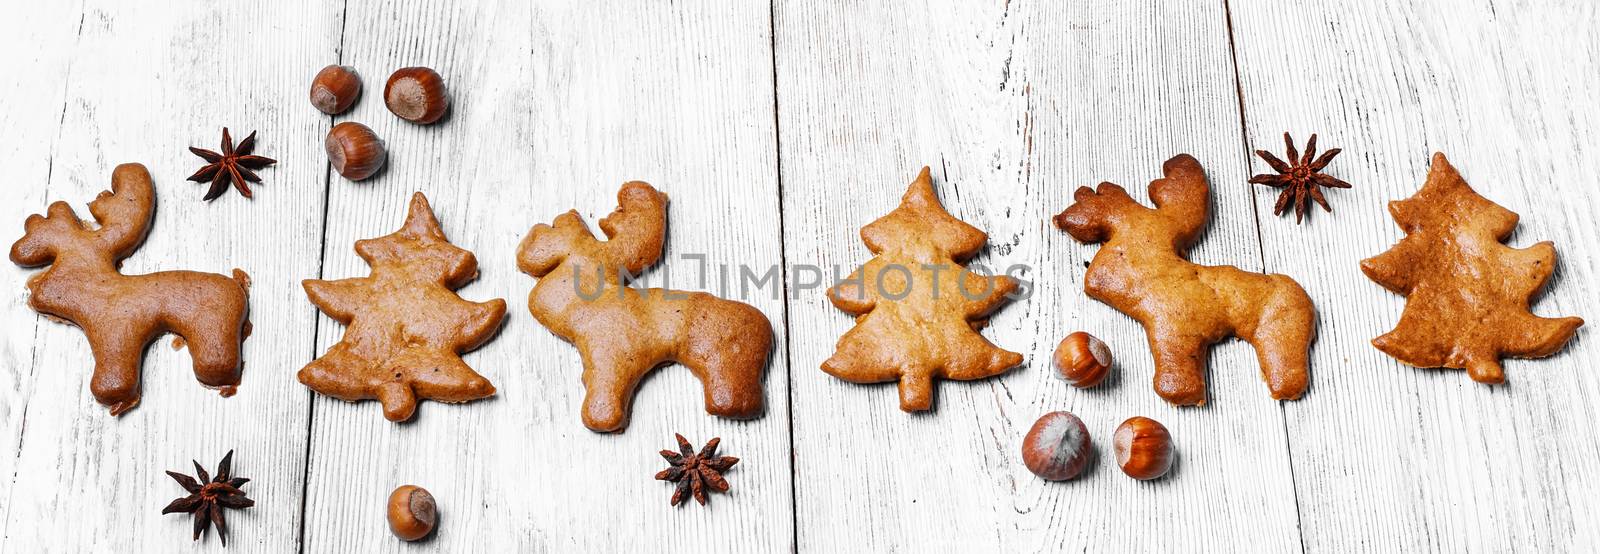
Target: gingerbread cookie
pixel 621 332
pixel 918 308
pixel 406 327
pixel 121 314
pixel 1143 271
pixel 1466 293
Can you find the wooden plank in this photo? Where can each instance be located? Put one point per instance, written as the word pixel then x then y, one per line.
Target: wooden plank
pixel 1388 457
pixel 1014 105
pixel 44 35
pixel 141 84
pixel 554 109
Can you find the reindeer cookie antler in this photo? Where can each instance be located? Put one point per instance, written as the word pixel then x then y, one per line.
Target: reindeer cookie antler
pixel 623 333
pixel 405 326
pixel 1142 271
pixel 121 314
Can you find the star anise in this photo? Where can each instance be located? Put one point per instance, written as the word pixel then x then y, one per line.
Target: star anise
pixel 233 165
pixel 209 496
pixel 695 473
pixel 1300 178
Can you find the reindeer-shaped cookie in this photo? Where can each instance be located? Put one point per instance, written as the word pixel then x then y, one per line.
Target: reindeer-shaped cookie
pixel 1185 308
pixel 121 314
pixel 621 332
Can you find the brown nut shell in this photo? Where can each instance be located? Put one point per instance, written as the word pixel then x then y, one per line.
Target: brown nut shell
pixel 412 512
pixel 1057 447
pixel 335 89
pixel 1083 360
pixel 1143 447
pixel 355 151
pixel 416 94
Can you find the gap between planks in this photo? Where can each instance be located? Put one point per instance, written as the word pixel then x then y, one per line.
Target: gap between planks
pixel 316 320
pixel 1261 251
pixel 783 273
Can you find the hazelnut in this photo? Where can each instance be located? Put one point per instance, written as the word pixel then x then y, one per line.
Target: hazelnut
pixel 1057 447
pixel 1144 448
pixel 335 89
pixel 1082 360
pixel 354 150
pixel 416 94
pixel 412 512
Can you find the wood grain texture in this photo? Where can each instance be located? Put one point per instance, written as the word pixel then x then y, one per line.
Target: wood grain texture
pixel 33 108
pixel 1014 105
pixel 778 130
pixel 556 105
pixel 141 83
pixel 1389 457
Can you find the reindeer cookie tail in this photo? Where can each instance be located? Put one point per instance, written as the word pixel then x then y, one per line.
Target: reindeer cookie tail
pixel 239 276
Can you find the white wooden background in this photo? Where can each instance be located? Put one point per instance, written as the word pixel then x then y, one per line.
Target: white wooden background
pixel 778 130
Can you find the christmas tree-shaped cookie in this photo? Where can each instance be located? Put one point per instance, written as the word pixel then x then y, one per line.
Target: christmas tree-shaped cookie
pixel 918 307
pixel 1466 293
pixel 406 327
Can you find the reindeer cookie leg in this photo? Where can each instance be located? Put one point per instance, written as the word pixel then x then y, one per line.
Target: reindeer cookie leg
pixel 1181 368
pixel 610 378
pixel 216 357
pixel 214 341
pixel 118 355
pixel 728 349
pixel 1283 341
pixel 732 384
